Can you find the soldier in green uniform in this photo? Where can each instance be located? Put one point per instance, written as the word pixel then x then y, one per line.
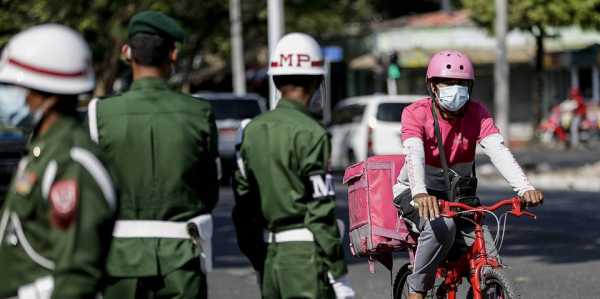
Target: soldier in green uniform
pixel 57 219
pixel 283 186
pixel 162 146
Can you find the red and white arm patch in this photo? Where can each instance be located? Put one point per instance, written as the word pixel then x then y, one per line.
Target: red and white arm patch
pixel 63 202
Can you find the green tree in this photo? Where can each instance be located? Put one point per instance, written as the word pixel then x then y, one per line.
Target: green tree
pixel 104 24
pixel 536 17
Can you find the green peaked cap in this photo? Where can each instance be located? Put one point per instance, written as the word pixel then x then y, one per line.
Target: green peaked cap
pixel 154 22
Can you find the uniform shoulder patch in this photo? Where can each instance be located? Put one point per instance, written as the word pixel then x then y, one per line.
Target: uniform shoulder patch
pixel 63 201
pixel 25 182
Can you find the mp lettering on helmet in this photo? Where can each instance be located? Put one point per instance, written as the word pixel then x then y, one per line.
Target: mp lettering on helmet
pixel 322 185
pixel 301 60
pixel 283 58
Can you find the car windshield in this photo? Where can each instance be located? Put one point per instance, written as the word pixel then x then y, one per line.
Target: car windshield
pixel 391 112
pixel 235 109
pixel 348 114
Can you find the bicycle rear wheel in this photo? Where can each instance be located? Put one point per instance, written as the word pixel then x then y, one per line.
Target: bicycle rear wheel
pixel 496 285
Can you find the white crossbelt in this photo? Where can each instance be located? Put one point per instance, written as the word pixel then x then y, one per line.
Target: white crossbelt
pixel 150 229
pixel 291 235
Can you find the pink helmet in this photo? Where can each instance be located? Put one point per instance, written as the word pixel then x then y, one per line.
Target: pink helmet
pixel 450 64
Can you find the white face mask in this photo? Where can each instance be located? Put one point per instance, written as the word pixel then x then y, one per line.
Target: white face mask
pixel 13 108
pixel 454 97
pixel 14 111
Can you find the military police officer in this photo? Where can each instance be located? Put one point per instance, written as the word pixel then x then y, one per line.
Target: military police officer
pixel 283 184
pixel 162 145
pixel 57 219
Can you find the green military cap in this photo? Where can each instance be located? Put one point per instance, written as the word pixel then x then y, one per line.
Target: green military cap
pixel 155 22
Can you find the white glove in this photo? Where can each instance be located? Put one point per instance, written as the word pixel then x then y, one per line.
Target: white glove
pixel 342 287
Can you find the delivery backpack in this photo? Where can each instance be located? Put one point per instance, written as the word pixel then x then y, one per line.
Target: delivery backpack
pixel 376 230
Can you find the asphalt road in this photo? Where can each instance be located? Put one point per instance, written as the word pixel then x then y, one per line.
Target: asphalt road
pixel 555 256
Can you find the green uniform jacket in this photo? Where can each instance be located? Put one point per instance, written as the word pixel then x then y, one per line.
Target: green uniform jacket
pixel 162 146
pixel 60 175
pixel 284 183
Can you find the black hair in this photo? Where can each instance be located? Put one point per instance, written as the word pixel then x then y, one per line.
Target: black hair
pixel 305 81
pixel 150 49
pixel 66 104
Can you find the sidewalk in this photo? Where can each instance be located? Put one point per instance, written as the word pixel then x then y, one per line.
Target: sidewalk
pixel 549 170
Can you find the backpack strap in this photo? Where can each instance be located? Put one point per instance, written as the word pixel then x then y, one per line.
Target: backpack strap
pixel 440 144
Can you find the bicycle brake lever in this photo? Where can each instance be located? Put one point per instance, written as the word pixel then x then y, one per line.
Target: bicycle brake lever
pixel 530 215
pixel 524 213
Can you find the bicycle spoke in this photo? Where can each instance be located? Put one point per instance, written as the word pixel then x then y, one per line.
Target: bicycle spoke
pixel 494 291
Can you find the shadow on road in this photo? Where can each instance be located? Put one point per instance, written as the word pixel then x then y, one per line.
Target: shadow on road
pixel 566 231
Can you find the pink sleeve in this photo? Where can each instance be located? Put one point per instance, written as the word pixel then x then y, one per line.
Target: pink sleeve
pixel 412 123
pixel 488 127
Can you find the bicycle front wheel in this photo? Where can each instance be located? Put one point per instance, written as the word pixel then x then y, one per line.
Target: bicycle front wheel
pixel 400 290
pixel 496 285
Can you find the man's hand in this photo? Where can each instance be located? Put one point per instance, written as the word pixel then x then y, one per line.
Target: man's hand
pixel 533 197
pixel 427 205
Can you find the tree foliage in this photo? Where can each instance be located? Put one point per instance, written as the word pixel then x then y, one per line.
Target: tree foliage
pixel 533 15
pixel 537 16
pixel 104 23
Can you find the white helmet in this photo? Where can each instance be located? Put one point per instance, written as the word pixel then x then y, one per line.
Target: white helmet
pixel 50 58
pixel 297 54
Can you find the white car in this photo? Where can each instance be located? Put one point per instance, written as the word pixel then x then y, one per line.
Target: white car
pixel 365 126
pixel 230 110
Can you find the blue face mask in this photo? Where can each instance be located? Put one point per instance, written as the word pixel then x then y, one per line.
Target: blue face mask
pixel 454 97
pixel 13 108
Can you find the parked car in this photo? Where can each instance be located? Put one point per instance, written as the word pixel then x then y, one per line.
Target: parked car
pixel 12 146
pixel 365 126
pixel 230 110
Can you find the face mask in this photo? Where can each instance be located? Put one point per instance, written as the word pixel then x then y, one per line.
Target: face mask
pixel 13 108
pixel 454 97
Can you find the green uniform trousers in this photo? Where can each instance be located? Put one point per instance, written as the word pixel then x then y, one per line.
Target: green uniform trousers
pixel 186 282
pixel 295 270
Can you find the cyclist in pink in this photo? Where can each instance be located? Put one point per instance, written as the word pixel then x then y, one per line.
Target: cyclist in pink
pixel 463 123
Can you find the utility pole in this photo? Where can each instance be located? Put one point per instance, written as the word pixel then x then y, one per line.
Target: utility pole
pixel 446 6
pixel 276 28
pixel 501 70
pixel 237 48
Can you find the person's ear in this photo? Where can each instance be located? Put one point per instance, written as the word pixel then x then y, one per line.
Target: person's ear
pixel 433 87
pixel 126 52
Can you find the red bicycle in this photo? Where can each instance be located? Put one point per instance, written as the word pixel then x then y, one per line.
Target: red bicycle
pixel 484 273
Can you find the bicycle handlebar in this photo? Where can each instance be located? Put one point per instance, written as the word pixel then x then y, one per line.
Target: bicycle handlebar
pixel 446 207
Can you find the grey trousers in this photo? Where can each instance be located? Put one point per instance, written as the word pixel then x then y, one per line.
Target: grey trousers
pixel 436 239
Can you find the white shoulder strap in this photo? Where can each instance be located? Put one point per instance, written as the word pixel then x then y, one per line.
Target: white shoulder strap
pixel 93 119
pixel 98 172
pixel 48 179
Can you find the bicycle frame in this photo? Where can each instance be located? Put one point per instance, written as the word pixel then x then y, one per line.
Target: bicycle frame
pixel 472 263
